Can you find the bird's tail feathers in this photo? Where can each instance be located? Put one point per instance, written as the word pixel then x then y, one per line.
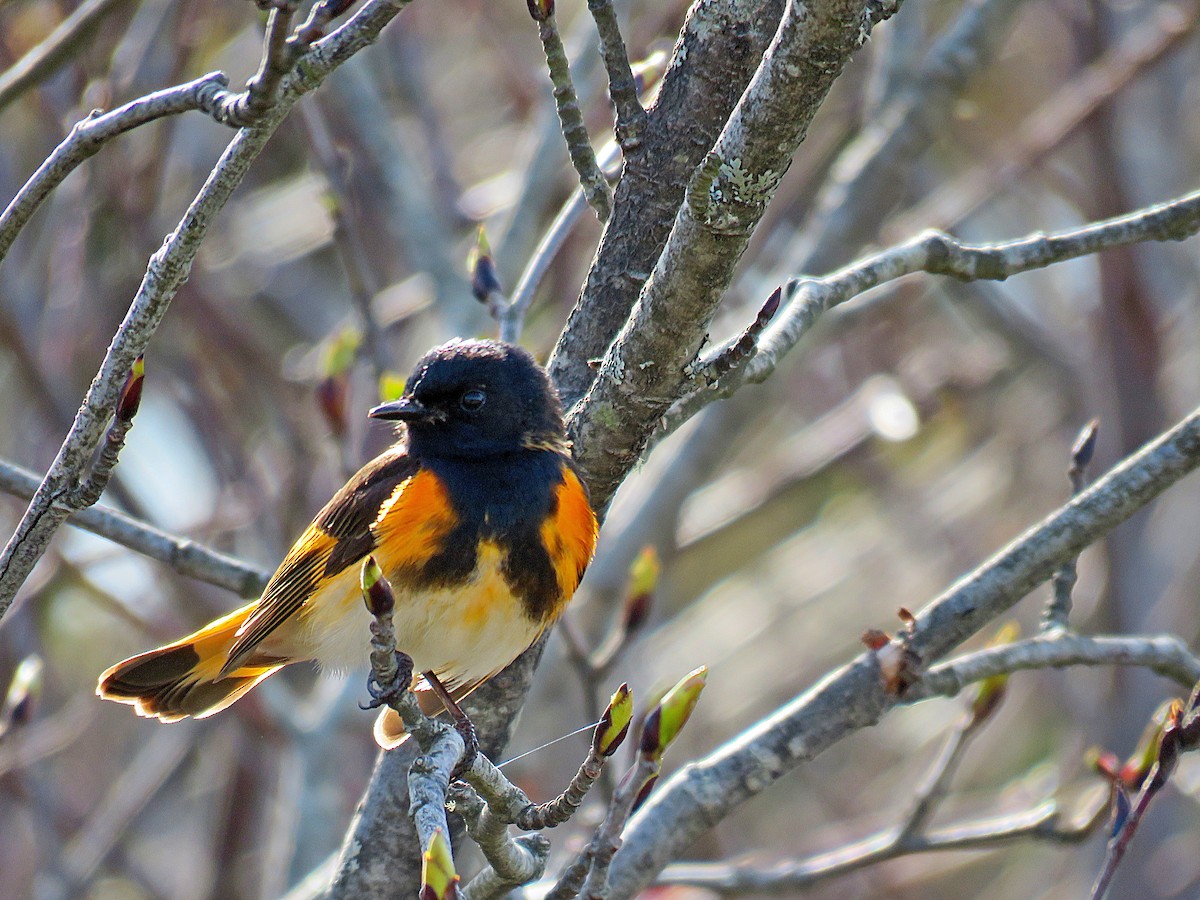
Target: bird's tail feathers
pixel 184 678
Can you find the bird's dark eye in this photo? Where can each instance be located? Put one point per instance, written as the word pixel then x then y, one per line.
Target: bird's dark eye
pixel 472 400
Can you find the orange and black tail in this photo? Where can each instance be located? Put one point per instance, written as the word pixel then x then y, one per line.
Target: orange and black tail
pixel 184 678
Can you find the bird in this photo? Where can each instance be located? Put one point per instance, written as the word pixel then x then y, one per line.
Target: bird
pixel 478 517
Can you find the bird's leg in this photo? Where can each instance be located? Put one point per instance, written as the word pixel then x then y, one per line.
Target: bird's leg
pixel 401 681
pixel 462 724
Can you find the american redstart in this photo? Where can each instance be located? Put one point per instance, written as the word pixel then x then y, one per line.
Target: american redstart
pixel 476 515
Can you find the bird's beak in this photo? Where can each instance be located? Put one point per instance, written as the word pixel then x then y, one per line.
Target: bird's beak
pixel 406 409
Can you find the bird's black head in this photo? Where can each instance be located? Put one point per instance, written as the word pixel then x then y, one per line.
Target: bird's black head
pixel 477 398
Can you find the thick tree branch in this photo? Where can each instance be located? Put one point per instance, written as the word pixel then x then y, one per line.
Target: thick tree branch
pixel 718 50
pixel 644 370
pixel 853 697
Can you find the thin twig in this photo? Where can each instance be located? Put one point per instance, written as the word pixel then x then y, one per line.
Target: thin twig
pixel 1058 610
pixel 280 52
pixel 579 145
pixel 167 270
pixel 1165 655
pixel 622 87
pixel 588 874
pixel 937 253
pixel 512 861
pixel 183 555
pixel 512 317
pixel 89 135
pixel 1180 733
pixel 1044 822
pixel 278 56
pixel 68 39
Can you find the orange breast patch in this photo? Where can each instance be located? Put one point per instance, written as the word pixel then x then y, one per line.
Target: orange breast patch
pixel 412 523
pixel 570 534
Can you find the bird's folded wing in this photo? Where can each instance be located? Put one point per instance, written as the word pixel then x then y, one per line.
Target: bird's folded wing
pixel 341 535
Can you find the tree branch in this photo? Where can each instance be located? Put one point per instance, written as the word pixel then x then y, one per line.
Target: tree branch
pixel 622 87
pixel 89 135
pixel 570 117
pixel 1165 655
pixel 853 697
pixel 643 370
pixel 716 55
pixel 1044 822
pixel 167 270
pixel 64 42
pixel 937 253
pixel 182 554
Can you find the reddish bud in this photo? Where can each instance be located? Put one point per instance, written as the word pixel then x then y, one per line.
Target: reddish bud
pixel 541 10
pixel 767 313
pixel 644 793
pixel 651 729
pixel 331 400
pixel 874 639
pixel 1139 763
pixel 637 611
pixel 376 591
pixel 1085 445
pixel 1103 762
pixel 131 392
pixel 485 280
pixel 643 579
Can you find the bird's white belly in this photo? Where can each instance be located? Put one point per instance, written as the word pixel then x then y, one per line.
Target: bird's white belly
pixel 463 634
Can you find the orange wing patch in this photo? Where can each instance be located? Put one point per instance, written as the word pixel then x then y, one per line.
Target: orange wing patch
pixel 570 534
pixel 412 523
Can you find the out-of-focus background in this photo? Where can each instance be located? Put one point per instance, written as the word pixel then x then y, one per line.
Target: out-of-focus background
pixel 913 433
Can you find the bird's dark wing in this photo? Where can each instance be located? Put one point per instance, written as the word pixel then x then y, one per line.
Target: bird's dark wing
pixel 340 536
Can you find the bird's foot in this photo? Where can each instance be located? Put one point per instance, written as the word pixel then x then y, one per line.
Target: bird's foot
pixel 384 695
pixel 466 731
